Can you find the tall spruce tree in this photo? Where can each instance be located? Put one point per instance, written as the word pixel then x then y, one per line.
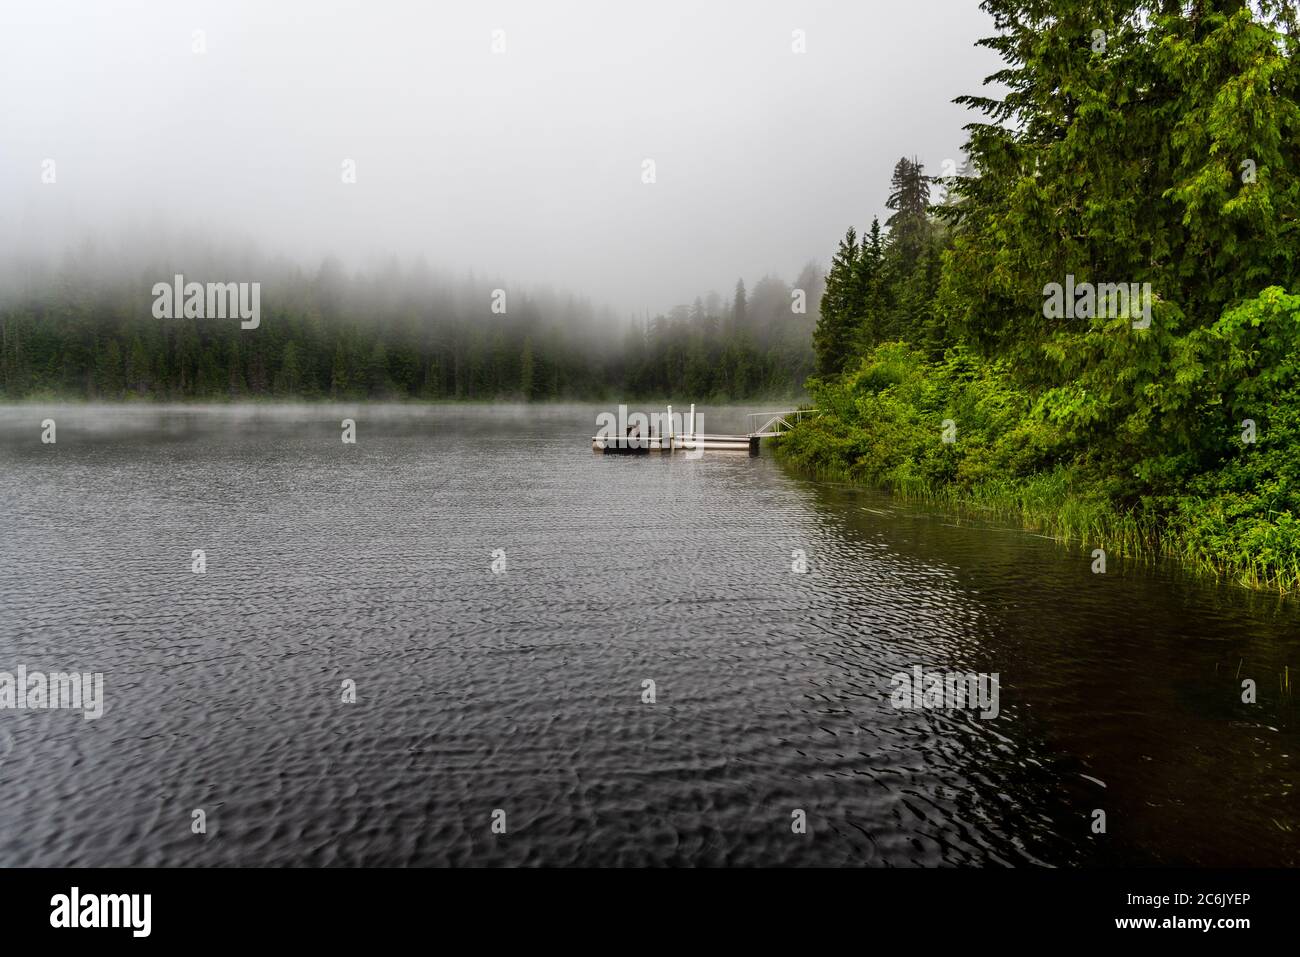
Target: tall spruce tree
pixel 841 304
pixel 909 198
pixel 871 296
pixel 739 316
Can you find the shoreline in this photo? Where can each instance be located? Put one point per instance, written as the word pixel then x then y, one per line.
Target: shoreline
pixel 1037 506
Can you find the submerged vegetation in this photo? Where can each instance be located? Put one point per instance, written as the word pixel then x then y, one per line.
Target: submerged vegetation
pixel 1137 142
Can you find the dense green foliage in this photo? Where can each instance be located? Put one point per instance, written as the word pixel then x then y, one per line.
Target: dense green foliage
pixel 1138 141
pixel 395 334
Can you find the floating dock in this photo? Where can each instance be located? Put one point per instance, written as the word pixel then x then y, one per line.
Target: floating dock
pixel 763 425
pixel 644 445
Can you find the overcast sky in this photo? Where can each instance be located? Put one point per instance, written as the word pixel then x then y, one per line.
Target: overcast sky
pixel 526 163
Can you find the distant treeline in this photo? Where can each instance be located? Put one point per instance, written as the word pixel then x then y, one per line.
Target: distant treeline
pixel 396 333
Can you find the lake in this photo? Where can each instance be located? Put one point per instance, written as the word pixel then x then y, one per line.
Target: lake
pixel 499 599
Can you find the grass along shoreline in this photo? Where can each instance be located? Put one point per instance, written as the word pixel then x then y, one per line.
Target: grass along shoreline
pixel 1039 506
pixel 1036 505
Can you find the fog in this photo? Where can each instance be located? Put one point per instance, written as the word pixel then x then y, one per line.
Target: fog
pixel 235 122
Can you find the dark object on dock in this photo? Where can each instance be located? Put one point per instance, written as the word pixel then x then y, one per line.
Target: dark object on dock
pixel 626 445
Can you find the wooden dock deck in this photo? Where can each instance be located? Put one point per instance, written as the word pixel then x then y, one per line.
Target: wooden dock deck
pixel 762 425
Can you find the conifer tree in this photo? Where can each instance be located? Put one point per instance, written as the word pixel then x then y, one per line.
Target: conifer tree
pixel 526 370
pixel 909 198
pixel 833 336
pixel 739 318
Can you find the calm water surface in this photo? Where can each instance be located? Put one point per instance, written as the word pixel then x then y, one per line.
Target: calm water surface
pixel 522 691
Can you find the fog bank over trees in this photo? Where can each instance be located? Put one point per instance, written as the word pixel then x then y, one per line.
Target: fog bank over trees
pixel 87 326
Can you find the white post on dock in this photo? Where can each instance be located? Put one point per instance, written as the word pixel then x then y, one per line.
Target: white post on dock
pixel 692 421
pixel 671 434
